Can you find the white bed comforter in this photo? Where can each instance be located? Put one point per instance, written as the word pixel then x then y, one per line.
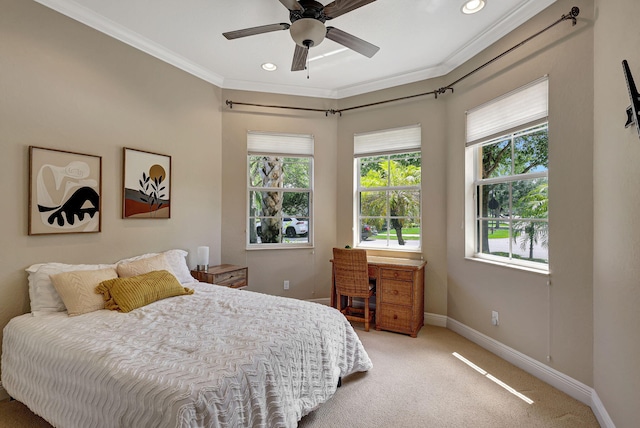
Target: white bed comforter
pixel 217 358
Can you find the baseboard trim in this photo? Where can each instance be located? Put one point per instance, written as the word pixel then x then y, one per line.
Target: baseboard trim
pixel 322 301
pixel 435 319
pixel 601 413
pixel 553 377
pixel 564 383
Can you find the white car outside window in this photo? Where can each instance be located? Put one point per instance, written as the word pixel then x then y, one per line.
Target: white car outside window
pixel 291 227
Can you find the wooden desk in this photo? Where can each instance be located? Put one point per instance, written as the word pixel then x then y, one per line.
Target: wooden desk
pixel 399 293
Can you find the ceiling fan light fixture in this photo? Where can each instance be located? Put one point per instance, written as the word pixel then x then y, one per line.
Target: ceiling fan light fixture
pixel 307 32
pixel 473 6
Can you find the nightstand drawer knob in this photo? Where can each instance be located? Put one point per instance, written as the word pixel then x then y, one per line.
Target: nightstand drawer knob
pixel 395 316
pixel 395 292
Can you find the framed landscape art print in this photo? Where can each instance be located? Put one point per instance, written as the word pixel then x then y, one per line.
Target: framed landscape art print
pixel 65 190
pixel 146 185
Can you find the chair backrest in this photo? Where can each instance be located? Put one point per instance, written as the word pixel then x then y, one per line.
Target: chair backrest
pixel 351 272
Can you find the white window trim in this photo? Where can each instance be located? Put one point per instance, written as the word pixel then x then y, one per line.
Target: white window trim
pixel 299 146
pixel 387 142
pixel 476 138
pixel 471 223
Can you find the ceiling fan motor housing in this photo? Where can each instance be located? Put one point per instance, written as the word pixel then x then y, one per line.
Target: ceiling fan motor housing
pixel 307 28
pixel 310 9
pixel 307 25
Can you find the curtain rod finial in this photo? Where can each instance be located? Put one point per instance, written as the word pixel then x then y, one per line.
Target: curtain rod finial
pixel 575 11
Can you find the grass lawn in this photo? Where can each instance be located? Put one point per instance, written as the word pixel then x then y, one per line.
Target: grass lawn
pixel 498 233
pixel 407 233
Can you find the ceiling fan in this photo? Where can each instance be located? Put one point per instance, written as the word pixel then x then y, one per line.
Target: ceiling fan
pixel 307 28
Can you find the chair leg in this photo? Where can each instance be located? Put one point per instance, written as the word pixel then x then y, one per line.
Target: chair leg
pixel 366 315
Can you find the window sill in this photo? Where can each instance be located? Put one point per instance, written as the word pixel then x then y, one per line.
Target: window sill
pixel 545 272
pixel 388 252
pixel 279 247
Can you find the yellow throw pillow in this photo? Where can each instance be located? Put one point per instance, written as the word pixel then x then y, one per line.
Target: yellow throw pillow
pixel 127 294
pixel 77 289
pixel 146 265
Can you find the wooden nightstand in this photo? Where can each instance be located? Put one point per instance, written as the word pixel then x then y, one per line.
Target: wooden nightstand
pixel 226 275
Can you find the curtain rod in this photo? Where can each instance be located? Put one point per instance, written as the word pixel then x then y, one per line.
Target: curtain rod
pixel 572 15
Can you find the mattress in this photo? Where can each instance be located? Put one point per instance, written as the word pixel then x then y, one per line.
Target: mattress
pixel 218 358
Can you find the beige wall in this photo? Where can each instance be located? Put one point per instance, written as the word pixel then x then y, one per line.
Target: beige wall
pixel 68 87
pixel 430 114
pixel 307 270
pixel 616 214
pixel 535 319
pixel 65 86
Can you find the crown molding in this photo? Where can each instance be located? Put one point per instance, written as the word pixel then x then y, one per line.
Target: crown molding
pixel 244 85
pixel 98 22
pixel 507 24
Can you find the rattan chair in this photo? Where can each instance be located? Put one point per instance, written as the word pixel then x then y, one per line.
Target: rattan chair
pixel 351 275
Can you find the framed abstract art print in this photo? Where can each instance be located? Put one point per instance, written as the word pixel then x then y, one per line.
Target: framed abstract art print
pixel 146 185
pixel 65 190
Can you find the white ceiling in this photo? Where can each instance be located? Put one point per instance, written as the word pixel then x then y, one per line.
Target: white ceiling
pixel 418 39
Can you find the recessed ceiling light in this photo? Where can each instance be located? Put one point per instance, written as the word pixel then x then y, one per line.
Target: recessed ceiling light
pixel 268 66
pixel 473 6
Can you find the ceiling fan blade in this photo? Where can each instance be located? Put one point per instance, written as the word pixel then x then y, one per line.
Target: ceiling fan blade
pixel 299 58
pixel 340 7
pixel 352 42
pixel 255 30
pixel 292 5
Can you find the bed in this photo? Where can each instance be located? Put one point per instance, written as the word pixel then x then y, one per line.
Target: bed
pixel 219 357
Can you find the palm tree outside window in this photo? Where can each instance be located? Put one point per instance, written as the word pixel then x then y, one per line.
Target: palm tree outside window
pixel 388 165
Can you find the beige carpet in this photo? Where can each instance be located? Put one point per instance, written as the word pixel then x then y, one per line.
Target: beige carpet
pixel 420 383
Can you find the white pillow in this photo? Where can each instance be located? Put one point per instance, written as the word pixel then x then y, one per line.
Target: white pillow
pixel 42 294
pixel 176 260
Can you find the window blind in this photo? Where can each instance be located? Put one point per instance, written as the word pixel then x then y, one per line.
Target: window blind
pixel 517 108
pixel 389 140
pixel 275 143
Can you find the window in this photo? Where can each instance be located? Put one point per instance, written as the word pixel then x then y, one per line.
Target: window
pixel 388 167
pixel 280 190
pixel 507 167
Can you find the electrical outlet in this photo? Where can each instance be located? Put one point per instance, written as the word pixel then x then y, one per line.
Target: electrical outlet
pixel 286 284
pixel 495 320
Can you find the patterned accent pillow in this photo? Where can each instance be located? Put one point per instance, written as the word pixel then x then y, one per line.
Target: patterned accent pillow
pixel 146 265
pixel 42 294
pixel 127 294
pixel 78 289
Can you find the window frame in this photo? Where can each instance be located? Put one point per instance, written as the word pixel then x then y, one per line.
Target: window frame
pixel 477 182
pixel 516 111
pixel 250 219
pixel 359 189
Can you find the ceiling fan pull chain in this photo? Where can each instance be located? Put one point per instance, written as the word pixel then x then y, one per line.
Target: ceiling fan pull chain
pixel 308 62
